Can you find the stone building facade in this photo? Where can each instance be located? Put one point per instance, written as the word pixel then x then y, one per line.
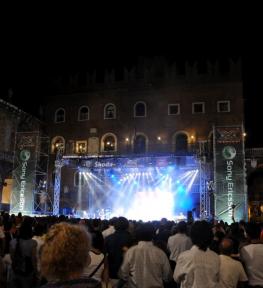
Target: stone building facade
pixel 152 109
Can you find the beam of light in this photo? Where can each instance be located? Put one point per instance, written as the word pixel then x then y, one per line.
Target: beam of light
pixel 190 184
pixel 147 193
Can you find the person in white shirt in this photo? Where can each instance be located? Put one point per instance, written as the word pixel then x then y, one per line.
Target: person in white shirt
pixel 145 265
pixel 98 266
pixel 252 256
pixel 178 243
pixel 199 266
pixel 110 230
pixel 231 272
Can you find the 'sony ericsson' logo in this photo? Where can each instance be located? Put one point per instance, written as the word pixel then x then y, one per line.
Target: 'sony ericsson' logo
pixel 229 152
pixel 24 155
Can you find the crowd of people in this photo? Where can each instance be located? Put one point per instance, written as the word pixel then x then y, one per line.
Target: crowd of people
pixel 62 252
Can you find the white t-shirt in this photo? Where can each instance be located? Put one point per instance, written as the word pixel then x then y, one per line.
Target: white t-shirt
pixel 197 268
pixel 95 261
pixel 231 272
pixel 252 257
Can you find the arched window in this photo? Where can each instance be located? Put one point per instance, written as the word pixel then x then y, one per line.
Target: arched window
pixel 60 115
pixel 57 142
pixel 109 111
pixel 181 143
pixel 140 109
pixel 109 143
pixel 139 146
pixel 83 113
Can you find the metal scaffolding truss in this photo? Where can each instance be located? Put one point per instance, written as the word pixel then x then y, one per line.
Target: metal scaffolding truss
pixel 58 166
pixel 42 199
pixel 204 181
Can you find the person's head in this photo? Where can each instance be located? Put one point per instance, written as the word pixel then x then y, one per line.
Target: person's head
pixel 145 232
pixel 112 221
pixel 40 229
pixel 65 252
pixel 226 247
pixel 97 240
pixel 181 227
pixel 201 234
pixel 219 235
pixel 96 224
pixel 25 230
pixel 121 224
pixel 253 230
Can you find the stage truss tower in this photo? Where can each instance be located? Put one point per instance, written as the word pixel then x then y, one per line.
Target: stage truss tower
pixel 58 166
pixel 204 181
pixel 42 199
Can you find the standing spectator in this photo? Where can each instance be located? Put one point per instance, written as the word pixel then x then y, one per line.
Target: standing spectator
pixel 64 255
pixel 98 267
pixel 252 255
pixel 199 266
pixel 2 237
pixel 110 230
pixel 39 234
pixel 178 243
pixel 2 273
pixel 116 245
pixel 231 271
pixel 145 265
pixel 23 255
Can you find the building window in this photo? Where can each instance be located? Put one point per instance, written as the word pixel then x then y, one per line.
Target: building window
pixel 109 143
pixel 109 111
pixel 181 143
pixel 60 115
pixel 78 179
pixel 58 142
pixel 81 146
pixel 140 109
pixel 198 107
pixel 139 146
pixel 173 109
pixel 83 113
pixel 223 106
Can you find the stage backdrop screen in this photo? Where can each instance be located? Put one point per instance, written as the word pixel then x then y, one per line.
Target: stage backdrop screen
pixel 24 172
pixel 230 188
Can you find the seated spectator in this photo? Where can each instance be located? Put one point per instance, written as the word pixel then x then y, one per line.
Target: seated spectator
pixel 64 255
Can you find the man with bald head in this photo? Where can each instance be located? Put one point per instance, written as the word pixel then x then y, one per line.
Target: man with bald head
pixel 231 271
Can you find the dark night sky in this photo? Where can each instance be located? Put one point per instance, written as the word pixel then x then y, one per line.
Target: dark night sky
pixel 31 84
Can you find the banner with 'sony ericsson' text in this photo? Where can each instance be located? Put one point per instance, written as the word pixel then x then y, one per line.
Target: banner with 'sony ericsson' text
pixel 230 188
pixel 24 173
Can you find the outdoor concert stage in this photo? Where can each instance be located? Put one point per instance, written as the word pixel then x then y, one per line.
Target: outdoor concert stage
pixel 146 188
